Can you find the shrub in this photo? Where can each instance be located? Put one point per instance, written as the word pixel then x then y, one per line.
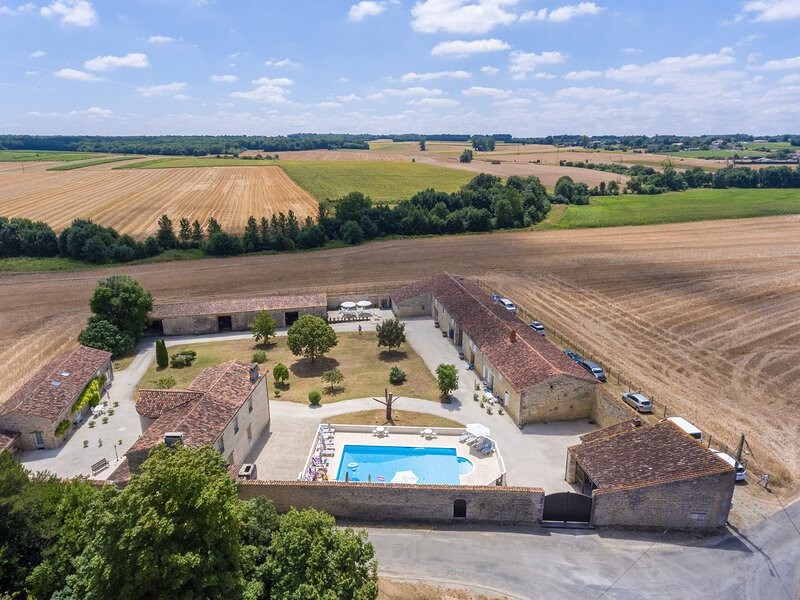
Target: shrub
pixel 63 427
pixel 162 356
pixel 263 327
pixel 105 420
pixel 314 398
pixel 90 396
pixel 280 373
pixel 333 378
pixel 110 412
pixel 164 383
pixel 396 376
pixel 259 356
pixel 91 424
pixel 85 443
pixel 181 359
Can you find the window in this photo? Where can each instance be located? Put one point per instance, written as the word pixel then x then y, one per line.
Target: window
pixel 460 509
pixel 221 445
pixel 249 432
pixel 250 405
pixel 236 424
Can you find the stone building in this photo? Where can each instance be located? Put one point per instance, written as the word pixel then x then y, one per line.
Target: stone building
pixel 531 376
pixel 37 408
pixel 226 407
pixel 212 316
pixel 651 476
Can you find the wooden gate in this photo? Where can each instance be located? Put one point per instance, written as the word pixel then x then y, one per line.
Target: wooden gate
pixel 567 507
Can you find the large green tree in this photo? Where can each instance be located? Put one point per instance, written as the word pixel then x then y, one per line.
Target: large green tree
pixel 446 378
pixel 391 333
pixel 311 559
pixel 263 327
pixel 123 302
pixel 173 532
pixel 311 337
pixel 103 335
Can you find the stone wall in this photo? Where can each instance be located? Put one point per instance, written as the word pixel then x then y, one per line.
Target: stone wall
pixel 247 425
pixel 419 306
pixel 698 503
pixel 369 502
pixel 562 398
pixel 26 424
pixel 608 409
pixel 240 321
pixel 335 302
pixel 190 325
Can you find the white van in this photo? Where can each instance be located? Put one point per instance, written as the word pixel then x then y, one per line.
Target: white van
pixel 508 305
pixel 687 427
pixel 741 472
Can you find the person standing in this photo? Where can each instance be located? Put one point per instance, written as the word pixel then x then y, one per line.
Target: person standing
pixel 359 329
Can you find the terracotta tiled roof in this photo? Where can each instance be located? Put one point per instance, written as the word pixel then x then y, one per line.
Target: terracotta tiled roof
pixel 237 305
pixel 644 456
pixel 210 402
pixel 613 430
pixel 525 362
pixel 122 473
pixel 154 403
pixel 7 439
pixel 57 384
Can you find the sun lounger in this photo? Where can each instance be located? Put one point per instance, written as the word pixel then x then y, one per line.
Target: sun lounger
pixel 476 441
pixel 486 442
pixel 465 436
pixel 488 449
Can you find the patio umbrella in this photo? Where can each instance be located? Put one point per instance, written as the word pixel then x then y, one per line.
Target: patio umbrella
pixel 348 304
pixel 478 430
pixel 363 303
pixel 405 477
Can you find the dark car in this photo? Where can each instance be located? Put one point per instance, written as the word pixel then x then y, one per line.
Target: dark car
pixel 593 368
pixel 496 297
pixel 573 355
pixel 638 401
pixel 537 327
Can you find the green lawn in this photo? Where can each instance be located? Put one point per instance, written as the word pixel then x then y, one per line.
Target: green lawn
pixel 381 181
pixel 91 163
pixel 365 368
pixel 29 264
pixel 172 162
pixel 767 145
pixel 42 156
pixel 715 154
pixel 403 418
pixel 678 207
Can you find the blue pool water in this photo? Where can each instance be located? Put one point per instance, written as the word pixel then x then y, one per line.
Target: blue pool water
pixel 431 465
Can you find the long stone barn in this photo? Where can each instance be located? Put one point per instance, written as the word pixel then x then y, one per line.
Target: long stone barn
pixel 236 314
pixel 533 378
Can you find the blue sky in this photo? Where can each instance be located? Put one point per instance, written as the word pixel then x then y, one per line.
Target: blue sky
pixel 526 67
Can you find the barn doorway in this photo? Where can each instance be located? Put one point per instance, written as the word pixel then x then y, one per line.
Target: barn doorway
pixel 291 317
pixel 156 328
pixel 460 509
pixel 224 323
pixel 567 507
pixel 38 439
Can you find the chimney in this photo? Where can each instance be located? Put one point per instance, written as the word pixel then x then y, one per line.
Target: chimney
pixel 173 437
pixel 512 335
pixel 637 422
pixel 253 372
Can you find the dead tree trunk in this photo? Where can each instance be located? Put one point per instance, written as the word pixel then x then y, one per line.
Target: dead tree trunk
pixel 388 401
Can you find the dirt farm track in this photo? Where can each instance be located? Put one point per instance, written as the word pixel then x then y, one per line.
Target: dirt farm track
pixel 706 315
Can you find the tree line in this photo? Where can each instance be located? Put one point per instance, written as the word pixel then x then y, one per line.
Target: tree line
pixel 483 204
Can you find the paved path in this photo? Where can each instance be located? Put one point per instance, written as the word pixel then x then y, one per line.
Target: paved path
pixel 541 564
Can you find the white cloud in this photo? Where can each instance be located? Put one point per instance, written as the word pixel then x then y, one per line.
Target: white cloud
pixel 224 78
pixel 21 9
pixel 461 16
pixel 435 102
pixel 563 13
pixel 134 60
pixel 275 94
pixel 282 62
pixel 435 75
pixel 671 64
pixel 366 8
pixel 492 92
pixel 95 111
pixel 490 70
pixel 525 62
pixel 328 105
pixel 512 102
pixel 544 76
pixel 781 64
pixel 594 94
pixel 790 79
pixel 31 73
pixel 344 79
pixel 38 54
pixel 279 81
pixel 349 98
pixel 772 10
pixel 161 39
pixel 462 49
pixel 581 75
pixel 163 89
pixel 412 92
pixel 632 50
pixel 77 75
pixel 71 12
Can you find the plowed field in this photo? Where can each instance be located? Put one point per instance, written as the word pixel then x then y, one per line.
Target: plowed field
pixel 132 200
pixel 706 316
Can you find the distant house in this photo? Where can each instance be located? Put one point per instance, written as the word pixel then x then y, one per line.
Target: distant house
pixel 37 408
pixel 226 407
pixel 654 476
pixel 235 314
pixel 533 378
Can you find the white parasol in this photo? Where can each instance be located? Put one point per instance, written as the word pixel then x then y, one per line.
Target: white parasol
pixel 478 430
pixel 405 477
pixel 348 304
pixel 364 303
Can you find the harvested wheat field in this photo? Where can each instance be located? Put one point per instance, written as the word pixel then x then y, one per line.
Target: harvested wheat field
pixel 706 316
pixel 131 201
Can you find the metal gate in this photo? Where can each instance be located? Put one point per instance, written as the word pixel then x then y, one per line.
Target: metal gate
pixel 567 507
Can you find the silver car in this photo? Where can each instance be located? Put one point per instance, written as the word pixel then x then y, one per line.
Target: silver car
pixel 638 401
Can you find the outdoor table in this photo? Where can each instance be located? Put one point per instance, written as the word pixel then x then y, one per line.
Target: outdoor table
pixel 427 432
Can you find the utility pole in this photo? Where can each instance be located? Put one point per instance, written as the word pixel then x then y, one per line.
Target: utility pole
pixel 740 449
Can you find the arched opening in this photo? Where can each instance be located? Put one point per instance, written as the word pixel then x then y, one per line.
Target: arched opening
pixel 460 509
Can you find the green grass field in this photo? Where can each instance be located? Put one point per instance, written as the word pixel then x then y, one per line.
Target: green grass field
pixel 678 207
pixel 172 162
pixel 381 181
pixel 767 145
pixel 44 156
pixel 70 166
pixel 715 154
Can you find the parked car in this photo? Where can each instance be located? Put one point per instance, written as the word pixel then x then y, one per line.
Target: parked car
pixel 687 427
pixel 573 355
pixel 496 297
pixel 593 368
pixel 638 401
pixel 508 305
pixel 537 327
pixel 741 472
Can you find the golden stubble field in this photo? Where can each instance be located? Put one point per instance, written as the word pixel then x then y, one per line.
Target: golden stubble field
pixel 705 315
pixel 131 201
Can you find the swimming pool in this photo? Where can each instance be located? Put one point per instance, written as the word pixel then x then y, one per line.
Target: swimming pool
pixel 380 463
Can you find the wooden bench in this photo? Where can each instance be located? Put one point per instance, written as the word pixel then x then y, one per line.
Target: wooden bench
pixel 100 465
